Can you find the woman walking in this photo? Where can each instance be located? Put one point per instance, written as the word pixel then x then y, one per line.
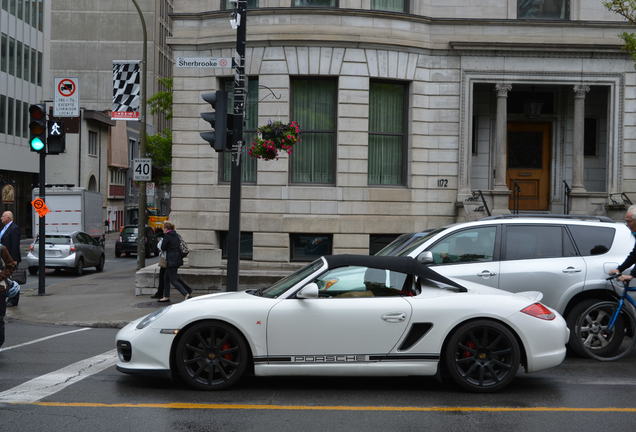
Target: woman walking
pixel 171 244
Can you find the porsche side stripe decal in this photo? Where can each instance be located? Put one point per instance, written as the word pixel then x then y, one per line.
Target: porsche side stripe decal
pixel 345 358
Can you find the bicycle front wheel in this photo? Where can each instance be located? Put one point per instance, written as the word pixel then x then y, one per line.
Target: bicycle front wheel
pixel 597 340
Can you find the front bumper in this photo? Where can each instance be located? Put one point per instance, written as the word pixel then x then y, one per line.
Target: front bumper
pixel 145 351
pixel 68 261
pixel 126 247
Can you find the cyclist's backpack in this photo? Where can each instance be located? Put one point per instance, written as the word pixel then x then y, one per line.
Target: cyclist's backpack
pixel 183 246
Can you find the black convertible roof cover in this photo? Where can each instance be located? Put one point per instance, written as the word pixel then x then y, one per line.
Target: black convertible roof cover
pixel 400 264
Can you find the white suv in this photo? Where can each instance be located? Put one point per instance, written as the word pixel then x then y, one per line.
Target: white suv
pixel 565 257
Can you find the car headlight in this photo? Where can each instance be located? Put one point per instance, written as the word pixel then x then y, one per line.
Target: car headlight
pixel 151 317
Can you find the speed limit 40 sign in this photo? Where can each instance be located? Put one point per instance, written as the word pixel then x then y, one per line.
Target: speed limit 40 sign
pixel 142 169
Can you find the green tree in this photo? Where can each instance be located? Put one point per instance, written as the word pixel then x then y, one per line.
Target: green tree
pixel 159 145
pixel 626 9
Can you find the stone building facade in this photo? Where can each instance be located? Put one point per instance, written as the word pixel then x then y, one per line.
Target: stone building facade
pixel 410 109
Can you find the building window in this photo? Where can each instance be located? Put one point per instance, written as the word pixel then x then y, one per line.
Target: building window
pixel 39 77
pixel 313 106
pixel 34 65
pixel 4 53
pixel 3 113
pixel 10 116
pixel 390 5
pixel 315 3
pixel 251 4
pixel 387 133
pixel 248 171
pixel 11 67
pixel 377 242
pixel 92 143
pixel 18 56
pixel 589 138
pixel 246 251
pixel 25 119
pixel 543 9
pixel 308 247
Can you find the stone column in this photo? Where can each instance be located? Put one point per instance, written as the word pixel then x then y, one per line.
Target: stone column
pixel 578 139
pixel 501 132
pixel 501 192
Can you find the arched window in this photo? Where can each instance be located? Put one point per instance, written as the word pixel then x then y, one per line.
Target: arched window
pixel 92 184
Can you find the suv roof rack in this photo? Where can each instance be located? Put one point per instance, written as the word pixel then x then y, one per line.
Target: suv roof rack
pixel 551 216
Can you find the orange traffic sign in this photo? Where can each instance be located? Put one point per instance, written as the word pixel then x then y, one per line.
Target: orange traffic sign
pixel 40 206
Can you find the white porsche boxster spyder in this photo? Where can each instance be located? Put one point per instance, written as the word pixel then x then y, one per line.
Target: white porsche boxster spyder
pixel 350 315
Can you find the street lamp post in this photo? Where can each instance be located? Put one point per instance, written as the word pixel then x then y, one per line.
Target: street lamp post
pixel 141 219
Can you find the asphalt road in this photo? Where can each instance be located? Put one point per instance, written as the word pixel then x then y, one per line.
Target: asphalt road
pixel 55 378
pixel 60 276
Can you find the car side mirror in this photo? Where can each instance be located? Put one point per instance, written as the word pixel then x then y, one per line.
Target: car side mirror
pixel 309 291
pixel 425 257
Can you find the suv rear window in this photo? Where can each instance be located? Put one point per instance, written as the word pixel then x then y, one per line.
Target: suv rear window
pixel 592 240
pixel 129 231
pixel 536 242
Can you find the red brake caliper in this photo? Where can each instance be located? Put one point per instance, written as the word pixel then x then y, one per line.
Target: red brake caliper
pixel 469 344
pixel 224 347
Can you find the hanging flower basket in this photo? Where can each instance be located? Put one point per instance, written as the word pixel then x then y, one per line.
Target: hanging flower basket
pixel 274 137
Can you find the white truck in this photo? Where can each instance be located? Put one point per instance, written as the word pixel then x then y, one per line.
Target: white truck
pixel 72 209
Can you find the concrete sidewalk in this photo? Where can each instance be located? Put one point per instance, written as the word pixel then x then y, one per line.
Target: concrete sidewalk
pixel 91 301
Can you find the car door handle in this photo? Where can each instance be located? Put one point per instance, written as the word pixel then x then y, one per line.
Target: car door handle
pixel 572 270
pixel 394 317
pixel 486 274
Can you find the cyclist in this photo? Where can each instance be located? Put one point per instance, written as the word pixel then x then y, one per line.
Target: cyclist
pixel 630 221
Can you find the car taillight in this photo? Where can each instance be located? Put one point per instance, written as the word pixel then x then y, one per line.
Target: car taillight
pixel 73 249
pixel 538 310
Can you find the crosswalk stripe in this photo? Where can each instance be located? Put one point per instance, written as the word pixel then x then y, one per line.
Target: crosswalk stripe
pixel 43 339
pixel 48 384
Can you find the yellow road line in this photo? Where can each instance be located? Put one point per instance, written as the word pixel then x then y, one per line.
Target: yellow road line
pixel 176 405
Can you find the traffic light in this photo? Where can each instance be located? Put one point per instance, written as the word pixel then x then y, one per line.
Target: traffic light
pixel 56 142
pixel 37 127
pixel 220 138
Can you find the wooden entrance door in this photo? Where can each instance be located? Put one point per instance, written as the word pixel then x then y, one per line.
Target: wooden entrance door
pixel 528 169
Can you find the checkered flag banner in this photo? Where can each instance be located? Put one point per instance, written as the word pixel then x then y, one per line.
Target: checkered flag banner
pixel 125 90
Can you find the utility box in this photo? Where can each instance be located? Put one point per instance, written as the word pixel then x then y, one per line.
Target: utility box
pixel 72 209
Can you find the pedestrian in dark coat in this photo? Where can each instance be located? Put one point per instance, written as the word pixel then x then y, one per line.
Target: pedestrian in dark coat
pixel 7 265
pixel 162 274
pixel 10 235
pixel 171 244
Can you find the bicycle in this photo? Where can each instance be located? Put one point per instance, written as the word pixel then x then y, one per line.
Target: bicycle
pixel 608 328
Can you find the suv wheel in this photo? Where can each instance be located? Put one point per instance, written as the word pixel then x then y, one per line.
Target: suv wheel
pixel 576 320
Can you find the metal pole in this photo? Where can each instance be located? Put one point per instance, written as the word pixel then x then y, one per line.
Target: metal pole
pixel 42 227
pixel 141 218
pixel 234 232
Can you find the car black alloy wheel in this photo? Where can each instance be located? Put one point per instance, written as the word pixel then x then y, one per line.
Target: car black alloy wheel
pixel 100 266
pixel 79 269
pixel 482 356
pixel 211 356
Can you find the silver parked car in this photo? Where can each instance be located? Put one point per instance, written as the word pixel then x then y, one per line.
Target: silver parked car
pixel 566 258
pixel 74 250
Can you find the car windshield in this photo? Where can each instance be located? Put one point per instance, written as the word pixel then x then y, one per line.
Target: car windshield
pixel 289 281
pixel 407 243
pixel 56 239
pixel 129 230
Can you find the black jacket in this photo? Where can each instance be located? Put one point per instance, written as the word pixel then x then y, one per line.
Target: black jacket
pixel 629 261
pixel 172 246
pixel 11 240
